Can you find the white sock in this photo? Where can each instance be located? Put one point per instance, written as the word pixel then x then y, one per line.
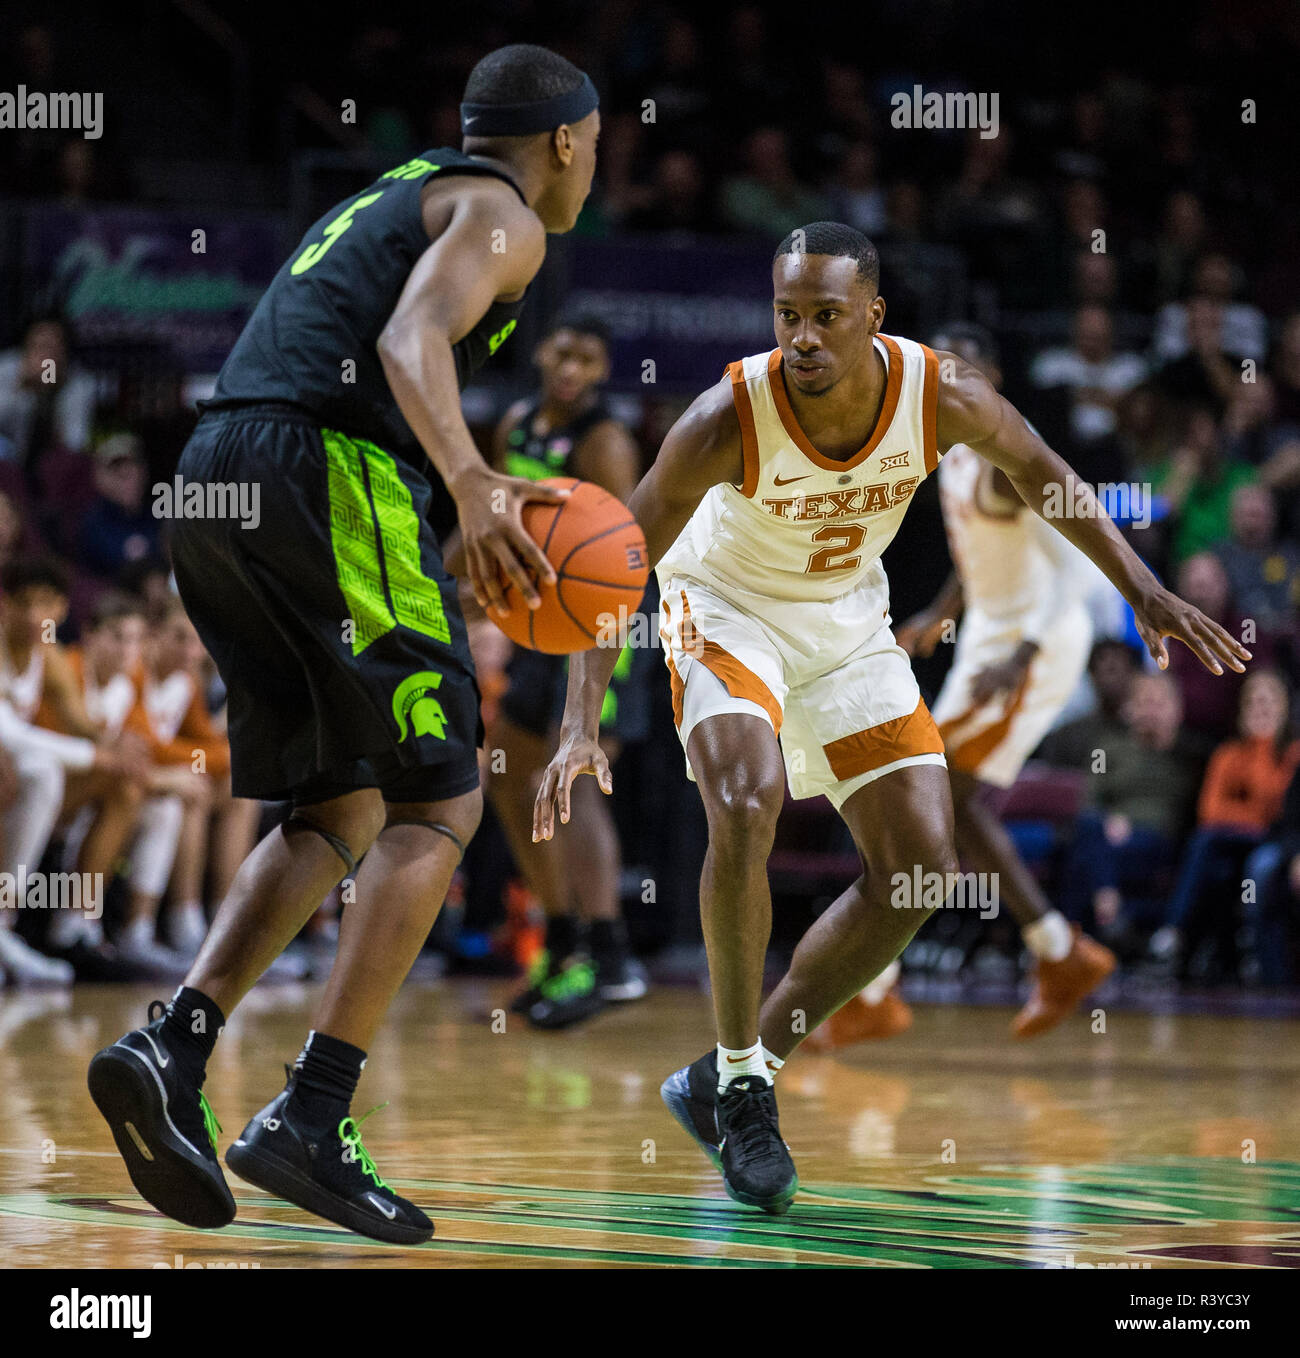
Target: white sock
pixel 876 990
pixel 740 1061
pixel 773 1064
pixel 1050 938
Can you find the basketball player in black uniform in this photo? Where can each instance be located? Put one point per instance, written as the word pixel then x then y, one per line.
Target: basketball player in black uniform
pixel 567 430
pixel 337 629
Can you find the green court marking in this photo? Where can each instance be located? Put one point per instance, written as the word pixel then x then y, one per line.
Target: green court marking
pixel 995 1216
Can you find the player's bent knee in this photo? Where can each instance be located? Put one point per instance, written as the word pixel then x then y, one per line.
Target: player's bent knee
pixel 743 808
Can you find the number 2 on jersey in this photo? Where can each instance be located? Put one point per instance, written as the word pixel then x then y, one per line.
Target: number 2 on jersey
pixel 312 254
pixel 841 542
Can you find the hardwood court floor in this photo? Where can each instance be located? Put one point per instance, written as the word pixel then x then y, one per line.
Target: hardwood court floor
pixel 948 1147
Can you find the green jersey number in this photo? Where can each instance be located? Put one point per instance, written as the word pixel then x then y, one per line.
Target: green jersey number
pixel 314 252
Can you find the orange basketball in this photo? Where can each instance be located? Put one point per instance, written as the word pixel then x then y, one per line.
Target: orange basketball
pixel 599 555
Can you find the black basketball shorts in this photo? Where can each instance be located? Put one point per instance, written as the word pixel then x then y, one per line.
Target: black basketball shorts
pixel 317 585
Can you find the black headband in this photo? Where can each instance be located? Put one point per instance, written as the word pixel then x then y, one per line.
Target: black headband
pixel 520 120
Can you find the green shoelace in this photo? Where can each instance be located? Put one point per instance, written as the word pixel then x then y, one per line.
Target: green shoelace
pixel 579 979
pixel 210 1123
pixel 350 1135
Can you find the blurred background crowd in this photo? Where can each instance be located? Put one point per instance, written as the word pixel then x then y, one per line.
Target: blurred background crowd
pixel 1129 235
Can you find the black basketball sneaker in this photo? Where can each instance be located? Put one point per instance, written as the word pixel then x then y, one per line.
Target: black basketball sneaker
pixel 326 1172
pixel 567 997
pixel 163 1127
pixel 756 1165
pixel 691 1096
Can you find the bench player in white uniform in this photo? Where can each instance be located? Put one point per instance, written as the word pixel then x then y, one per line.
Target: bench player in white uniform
pixel 1022 649
pixel 767 510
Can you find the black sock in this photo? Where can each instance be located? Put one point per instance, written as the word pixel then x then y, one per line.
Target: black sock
pixel 191 1025
pixel 325 1079
pixel 561 937
pixel 608 940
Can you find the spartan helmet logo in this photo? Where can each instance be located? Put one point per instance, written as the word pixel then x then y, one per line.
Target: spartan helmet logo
pixel 414 700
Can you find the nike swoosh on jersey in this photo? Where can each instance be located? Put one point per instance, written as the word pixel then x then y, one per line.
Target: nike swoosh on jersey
pixel 777 481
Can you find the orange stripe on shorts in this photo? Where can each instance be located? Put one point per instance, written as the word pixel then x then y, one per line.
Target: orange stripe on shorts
pixel 877 746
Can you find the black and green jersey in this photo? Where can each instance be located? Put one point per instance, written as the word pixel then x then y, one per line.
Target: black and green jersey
pixel 539 455
pixel 311 341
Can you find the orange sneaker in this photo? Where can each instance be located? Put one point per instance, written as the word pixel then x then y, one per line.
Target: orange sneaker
pixel 1059 986
pixel 859 1021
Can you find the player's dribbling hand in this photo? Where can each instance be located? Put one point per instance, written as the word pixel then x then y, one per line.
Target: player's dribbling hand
pixel 576 755
pixel 1164 614
pixel 498 549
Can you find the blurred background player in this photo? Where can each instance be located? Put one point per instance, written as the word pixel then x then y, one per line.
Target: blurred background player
pixel 567 429
pixel 1022 649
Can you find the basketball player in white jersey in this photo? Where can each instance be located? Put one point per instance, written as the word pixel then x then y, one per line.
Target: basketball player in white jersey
pixel 1021 651
pixel 767 510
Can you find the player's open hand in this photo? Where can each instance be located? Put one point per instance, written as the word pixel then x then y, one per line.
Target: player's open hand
pixel 1164 614
pixel 498 549
pixel 576 755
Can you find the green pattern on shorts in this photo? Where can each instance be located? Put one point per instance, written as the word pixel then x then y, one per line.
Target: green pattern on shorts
pixel 373 543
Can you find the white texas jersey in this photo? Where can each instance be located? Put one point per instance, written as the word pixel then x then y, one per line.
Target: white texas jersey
pixel 803 526
pixel 1012 565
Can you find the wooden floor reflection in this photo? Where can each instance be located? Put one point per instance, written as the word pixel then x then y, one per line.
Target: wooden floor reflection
pixel 1161 1142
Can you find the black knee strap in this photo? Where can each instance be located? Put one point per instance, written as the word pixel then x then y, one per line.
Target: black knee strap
pixel 437 826
pixel 298 822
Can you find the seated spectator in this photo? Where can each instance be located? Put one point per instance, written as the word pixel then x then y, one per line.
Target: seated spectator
pixel 1179 244
pixel 855 192
pixel 17 538
pixel 767 198
pixel 1140 797
pixel 1208 371
pixel 1112 667
pixel 61 774
pixel 1210 701
pixel 1272 911
pixel 1240 799
pixel 1285 371
pixel 119 527
pixel 1218 280
pixel 1197 482
pixel 150 581
pixel 677 201
pixel 1095 374
pixel 1263 572
pixel 104 667
pixel 194 764
pixel 46 400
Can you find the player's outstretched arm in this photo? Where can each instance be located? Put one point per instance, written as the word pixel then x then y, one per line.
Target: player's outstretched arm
pixel 702 450
pixel 449 291
pixel 971 412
